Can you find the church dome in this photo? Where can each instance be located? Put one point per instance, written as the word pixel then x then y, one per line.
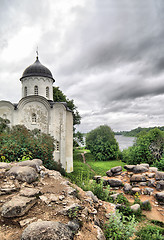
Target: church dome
pixel 37 69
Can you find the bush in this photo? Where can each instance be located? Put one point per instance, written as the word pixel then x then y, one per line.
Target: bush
pixel 159 164
pixel 150 232
pixel 118 228
pixel 147 148
pixel 19 142
pixel 102 143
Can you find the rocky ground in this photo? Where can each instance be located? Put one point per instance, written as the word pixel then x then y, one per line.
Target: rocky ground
pixel 37 203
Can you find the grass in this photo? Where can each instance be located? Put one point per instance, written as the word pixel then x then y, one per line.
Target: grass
pixel 101 167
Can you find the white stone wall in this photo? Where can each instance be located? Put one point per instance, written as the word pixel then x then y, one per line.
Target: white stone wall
pixel 41 82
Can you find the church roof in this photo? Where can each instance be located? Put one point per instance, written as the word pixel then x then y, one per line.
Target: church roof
pixel 37 69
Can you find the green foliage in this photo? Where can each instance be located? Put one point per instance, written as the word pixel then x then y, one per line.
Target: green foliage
pixel 119 228
pixel 159 164
pixel 78 138
pixel 150 232
pixel 19 143
pixel 102 143
pixel 136 131
pixel 58 96
pixel 147 148
pixel 158 223
pixel 121 199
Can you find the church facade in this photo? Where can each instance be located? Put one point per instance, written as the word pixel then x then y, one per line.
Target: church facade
pixel 36 109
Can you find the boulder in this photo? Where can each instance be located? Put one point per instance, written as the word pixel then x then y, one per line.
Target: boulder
pixel 135 207
pixel 129 168
pixel 97 178
pixel 35 163
pixel 159 175
pixel 148 191
pixel 144 165
pixel 17 206
pixel 109 173
pixel 136 190
pixel 23 173
pixel 74 226
pixel 116 169
pixel 151 183
pixel 47 230
pixel 140 169
pixel 5 165
pixel 151 175
pixel 114 196
pixel 137 178
pixel 8 188
pixel 30 192
pixel 92 196
pixel 160 185
pixel 115 182
pixel 127 188
pixel 153 169
pixel 160 197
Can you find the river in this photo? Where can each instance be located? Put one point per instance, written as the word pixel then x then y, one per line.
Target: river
pixel 124 142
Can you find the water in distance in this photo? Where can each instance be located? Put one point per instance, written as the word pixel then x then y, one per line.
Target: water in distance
pixel 124 142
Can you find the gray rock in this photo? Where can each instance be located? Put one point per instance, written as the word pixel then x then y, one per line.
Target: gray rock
pixel 71 191
pixel 127 187
pixel 2 173
pixel 109 173
pixel 5 165
pixel 23 173
pixel 153 169
pixel 143 183
pixel 74 226
pixel 151 175
pixel 151 183
pixel 114 196
pixel 47 230
pixel 72 209
pixel 144 165
pixel 160 185
pixel 17 206
pixel 148 191
pixel 97 178
pixel 129 168
pixel 159 175
pixel 100 234
pixel 145 203
pixel 136 190
pixel 135 207
pixel 35 163
pixel 8 188
pixel 160 197
pixel 140 169
pixel 116 169
pixel 137 178
pixel 115 183
pixel 30 192
pixel 91 195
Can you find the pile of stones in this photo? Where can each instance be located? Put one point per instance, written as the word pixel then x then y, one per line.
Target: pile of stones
pixel 140 179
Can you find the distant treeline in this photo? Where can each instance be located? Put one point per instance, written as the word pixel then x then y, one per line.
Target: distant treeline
pixel 134 132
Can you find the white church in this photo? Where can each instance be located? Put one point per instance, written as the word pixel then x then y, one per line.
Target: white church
pixel 36 109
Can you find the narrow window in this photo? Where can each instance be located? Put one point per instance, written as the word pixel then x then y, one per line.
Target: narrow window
pixel 47 92
pixel 33 118
pixel 25 91
pixel 57 146
pixel 36 90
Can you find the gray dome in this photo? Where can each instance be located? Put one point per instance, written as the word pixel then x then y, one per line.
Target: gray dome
pixel 37 69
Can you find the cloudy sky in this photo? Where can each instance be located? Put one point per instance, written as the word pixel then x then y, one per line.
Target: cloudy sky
pixel 107 55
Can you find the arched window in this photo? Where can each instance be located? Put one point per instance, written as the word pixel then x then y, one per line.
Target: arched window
pixel 57 146
pixel 47 92
pixel 25 91
pixel 36 90
pixel 33 118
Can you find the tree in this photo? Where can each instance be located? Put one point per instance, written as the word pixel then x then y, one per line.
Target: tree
pixel 102 143
pixel 148 148
pixel 4 124
pixel 58 96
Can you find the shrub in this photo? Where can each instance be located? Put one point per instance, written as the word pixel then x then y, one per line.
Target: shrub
pixel 159 164
pixel 102 143
pixel 19 143
pixel 150 232
pixel 147 148
pixel 118 228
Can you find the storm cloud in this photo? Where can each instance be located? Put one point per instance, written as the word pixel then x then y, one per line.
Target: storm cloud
pixel 106 55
